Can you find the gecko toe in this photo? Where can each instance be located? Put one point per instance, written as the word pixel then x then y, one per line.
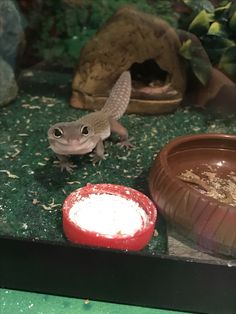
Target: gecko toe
pixel 97 159
pixel 125 143
pixel 68 166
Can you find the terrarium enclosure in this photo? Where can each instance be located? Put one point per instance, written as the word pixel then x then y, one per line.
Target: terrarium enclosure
pixel 58 62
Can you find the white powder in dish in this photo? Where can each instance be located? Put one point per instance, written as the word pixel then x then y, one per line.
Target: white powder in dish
pixel 108 214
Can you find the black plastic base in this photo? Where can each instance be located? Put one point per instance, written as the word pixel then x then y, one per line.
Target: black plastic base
pixel 121 277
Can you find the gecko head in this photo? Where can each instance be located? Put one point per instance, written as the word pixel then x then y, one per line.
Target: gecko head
pixel 68 138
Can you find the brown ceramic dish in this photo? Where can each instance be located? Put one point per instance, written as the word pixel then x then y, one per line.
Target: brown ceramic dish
pixel 209 222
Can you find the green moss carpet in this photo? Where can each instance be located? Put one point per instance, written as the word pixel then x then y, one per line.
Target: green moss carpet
pixel 32 186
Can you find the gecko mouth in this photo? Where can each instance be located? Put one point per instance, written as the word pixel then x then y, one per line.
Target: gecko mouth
pixel 75 147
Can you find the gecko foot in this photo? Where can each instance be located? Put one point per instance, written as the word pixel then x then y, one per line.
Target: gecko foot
pixel 67 166
pixel 125 143
pixel 96 159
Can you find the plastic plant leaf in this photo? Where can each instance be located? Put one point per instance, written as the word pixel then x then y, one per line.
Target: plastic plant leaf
pixel 215 46
pixel 197 5
pixel 222 11
pixel 201 69
pixel 217 29
pixel 195 54
pixel 232 23
pixel 200 24
pixel 217 42
pixel 228 61
pixel 232 9
pixel 185 49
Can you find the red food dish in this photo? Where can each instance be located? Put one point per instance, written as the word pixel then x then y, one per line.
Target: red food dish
pixel 78 235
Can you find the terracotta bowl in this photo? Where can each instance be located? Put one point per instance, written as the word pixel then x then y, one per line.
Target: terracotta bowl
pixel 78 235
pixel 210 222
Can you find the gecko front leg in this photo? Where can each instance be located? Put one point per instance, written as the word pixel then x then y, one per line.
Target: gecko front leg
pixel 122 132
pixel 65 164
pixel 99 152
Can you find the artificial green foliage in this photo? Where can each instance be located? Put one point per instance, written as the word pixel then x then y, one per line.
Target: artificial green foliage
pixel 66 28
pixel 221 13
pixel 185 49
pixel 216 46
pixel 200 23
pixel 216 29
pixel 232 23
pixel 63 32
pixel 227 62
pixel 201 69
pixel 197 5
pixel 200 65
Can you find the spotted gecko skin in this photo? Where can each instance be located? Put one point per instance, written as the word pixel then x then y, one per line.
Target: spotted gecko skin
pixel 118 100
pixel 88 133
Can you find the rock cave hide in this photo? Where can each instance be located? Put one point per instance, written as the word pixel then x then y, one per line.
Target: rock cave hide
pixel 145 45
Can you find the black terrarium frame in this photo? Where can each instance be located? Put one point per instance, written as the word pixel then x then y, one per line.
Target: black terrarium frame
pixel 116 276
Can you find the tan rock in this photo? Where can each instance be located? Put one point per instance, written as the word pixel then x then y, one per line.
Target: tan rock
pixel 139 42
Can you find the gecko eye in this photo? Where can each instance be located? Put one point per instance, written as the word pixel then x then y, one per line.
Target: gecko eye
pixel 84 130
pixel 58 132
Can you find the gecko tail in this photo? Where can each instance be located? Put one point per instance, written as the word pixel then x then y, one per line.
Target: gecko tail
pixel 119 97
